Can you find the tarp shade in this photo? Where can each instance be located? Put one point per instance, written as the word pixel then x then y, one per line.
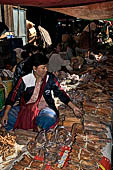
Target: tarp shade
pixel 51 3
pixel 85 9
pixel 91 12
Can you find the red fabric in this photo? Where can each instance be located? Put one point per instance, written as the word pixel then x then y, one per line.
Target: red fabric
pixel 58 84
pixel 48 167
pixel 38 158
pixel 15 92
pixel 27 115
pixel 50 3
pixel 103 10
pixel 54 124
pixel 76 8
pixel 64 156
pixel 62 151
pixel 105 162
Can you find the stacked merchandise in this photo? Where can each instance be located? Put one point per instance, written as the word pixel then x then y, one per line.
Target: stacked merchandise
pixel 80 144
pixel 49 151
pixel 93 141
pixel 93 134
pixel 7 147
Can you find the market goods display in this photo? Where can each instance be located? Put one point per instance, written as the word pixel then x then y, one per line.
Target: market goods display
pixel 7 143
pixel 93 95
pixel 81 144
pixel 7 148
pixel 49 150
pixel 23 136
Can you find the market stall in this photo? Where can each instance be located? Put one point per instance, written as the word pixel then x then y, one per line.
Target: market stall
pixel 80 144
pixel 76 143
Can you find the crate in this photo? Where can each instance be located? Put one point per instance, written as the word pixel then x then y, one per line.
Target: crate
pixel 2 97
pixel 8 85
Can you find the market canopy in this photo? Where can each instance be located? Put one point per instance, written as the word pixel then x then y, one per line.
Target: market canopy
pixel 85 9
pixel 51 3
pixel 96 11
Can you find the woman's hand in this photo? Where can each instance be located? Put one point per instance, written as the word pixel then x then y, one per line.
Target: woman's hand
pixel 4 119
pixel 75 109
pixel 77 112
pixel 5 116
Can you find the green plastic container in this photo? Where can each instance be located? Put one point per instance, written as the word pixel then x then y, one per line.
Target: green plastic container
pixel 8 85
pixel 2 97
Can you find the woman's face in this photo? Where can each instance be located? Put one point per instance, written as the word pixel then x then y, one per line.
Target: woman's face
pixel 40 71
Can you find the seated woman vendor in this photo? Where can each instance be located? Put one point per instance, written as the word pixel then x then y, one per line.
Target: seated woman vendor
pixel 37 106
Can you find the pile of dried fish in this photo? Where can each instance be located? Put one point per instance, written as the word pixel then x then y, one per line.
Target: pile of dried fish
pixel 49 148
pixel 93 95
pixel 92 92
pixel 7 143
